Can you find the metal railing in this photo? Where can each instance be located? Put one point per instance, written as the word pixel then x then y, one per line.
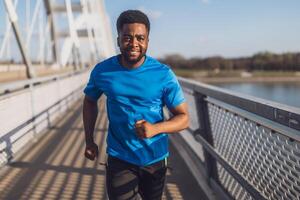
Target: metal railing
pixel 247 147
pixel 29 107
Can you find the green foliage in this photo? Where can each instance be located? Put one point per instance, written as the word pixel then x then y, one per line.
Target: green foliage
pixel 265 61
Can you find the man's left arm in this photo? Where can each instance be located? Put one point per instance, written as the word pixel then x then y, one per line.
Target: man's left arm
pixel 178 122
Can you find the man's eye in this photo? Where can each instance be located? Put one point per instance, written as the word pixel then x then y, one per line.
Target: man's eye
pixel 141 38
pixel 126 38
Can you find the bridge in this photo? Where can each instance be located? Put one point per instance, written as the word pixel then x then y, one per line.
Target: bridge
pixel 237 146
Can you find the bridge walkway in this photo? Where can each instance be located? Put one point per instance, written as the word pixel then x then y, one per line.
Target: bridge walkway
pixel 53 167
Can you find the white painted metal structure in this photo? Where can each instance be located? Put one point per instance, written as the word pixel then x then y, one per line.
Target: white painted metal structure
pixel 59 33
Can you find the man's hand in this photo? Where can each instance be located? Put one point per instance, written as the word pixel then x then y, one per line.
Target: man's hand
pixel 144 129
pixel 91 151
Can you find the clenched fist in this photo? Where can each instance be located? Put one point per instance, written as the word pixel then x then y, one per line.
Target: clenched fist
pixel 91 151
pixel 144 129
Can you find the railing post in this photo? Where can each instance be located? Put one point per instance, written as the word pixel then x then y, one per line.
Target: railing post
pixel 205 132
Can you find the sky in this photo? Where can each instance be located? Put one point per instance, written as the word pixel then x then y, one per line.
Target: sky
pixel 228 28
pixel 203 28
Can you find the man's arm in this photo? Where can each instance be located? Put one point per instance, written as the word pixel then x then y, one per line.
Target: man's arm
pixel 178 122
pixel 90 113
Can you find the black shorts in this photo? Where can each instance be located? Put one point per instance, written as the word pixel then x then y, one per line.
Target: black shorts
pixel 126 181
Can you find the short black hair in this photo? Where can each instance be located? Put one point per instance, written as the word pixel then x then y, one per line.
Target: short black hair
pixel 132 16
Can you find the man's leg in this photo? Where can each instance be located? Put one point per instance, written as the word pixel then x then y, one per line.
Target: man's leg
pixel 121 180
pixel 152 180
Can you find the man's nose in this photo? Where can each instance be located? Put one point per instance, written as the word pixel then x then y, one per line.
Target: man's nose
pixel 133 42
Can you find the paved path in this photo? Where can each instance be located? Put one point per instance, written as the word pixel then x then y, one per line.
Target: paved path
pixel 55 168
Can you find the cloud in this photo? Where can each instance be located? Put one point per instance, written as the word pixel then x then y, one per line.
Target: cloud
pixel 153 14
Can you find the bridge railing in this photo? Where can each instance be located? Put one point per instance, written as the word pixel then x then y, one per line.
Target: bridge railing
pixel 248 148
pixel 29 107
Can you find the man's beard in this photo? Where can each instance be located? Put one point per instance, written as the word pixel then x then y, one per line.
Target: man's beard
pixel 132 61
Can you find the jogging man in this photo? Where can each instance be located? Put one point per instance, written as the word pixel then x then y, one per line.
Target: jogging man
pixel 137 87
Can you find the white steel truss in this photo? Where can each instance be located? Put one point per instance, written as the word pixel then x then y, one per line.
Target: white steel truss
pixel 60 33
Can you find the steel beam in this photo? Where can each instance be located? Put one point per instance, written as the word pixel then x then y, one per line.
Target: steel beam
pixel 50 18
pixel 13 17
pixel 76 7
pixel 83 33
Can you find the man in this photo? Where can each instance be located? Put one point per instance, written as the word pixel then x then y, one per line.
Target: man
pixel 137 87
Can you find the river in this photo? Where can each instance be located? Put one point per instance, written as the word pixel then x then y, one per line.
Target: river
pixel 286 93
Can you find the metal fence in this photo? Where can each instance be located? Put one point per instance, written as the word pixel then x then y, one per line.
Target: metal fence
pixel 31 106
pixel 248 148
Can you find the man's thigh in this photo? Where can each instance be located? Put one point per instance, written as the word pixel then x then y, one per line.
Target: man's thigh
pixel 121 180
pixel 152 181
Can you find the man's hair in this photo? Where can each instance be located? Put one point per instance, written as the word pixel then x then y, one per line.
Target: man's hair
pixel 132 16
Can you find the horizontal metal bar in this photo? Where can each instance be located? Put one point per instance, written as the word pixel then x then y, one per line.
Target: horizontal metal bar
pixel 82 33
pixel 280 113
pixel 76 7
pixel 17 85
pixel 249 188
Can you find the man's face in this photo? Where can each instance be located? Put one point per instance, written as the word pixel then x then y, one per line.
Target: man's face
pixel 133 42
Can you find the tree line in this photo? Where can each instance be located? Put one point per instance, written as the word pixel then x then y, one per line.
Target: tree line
pixel 261 61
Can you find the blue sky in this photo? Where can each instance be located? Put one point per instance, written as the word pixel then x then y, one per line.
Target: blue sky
pixel 229 28
pixel 201 28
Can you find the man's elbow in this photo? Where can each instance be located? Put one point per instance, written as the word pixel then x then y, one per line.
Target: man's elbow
pixel 186 123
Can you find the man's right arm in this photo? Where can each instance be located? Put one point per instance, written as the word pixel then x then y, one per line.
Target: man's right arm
pixel 90 113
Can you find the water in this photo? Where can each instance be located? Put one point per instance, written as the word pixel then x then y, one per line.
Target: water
pixel 286 93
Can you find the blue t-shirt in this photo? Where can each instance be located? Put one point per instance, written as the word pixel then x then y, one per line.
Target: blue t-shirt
pixel 132 95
